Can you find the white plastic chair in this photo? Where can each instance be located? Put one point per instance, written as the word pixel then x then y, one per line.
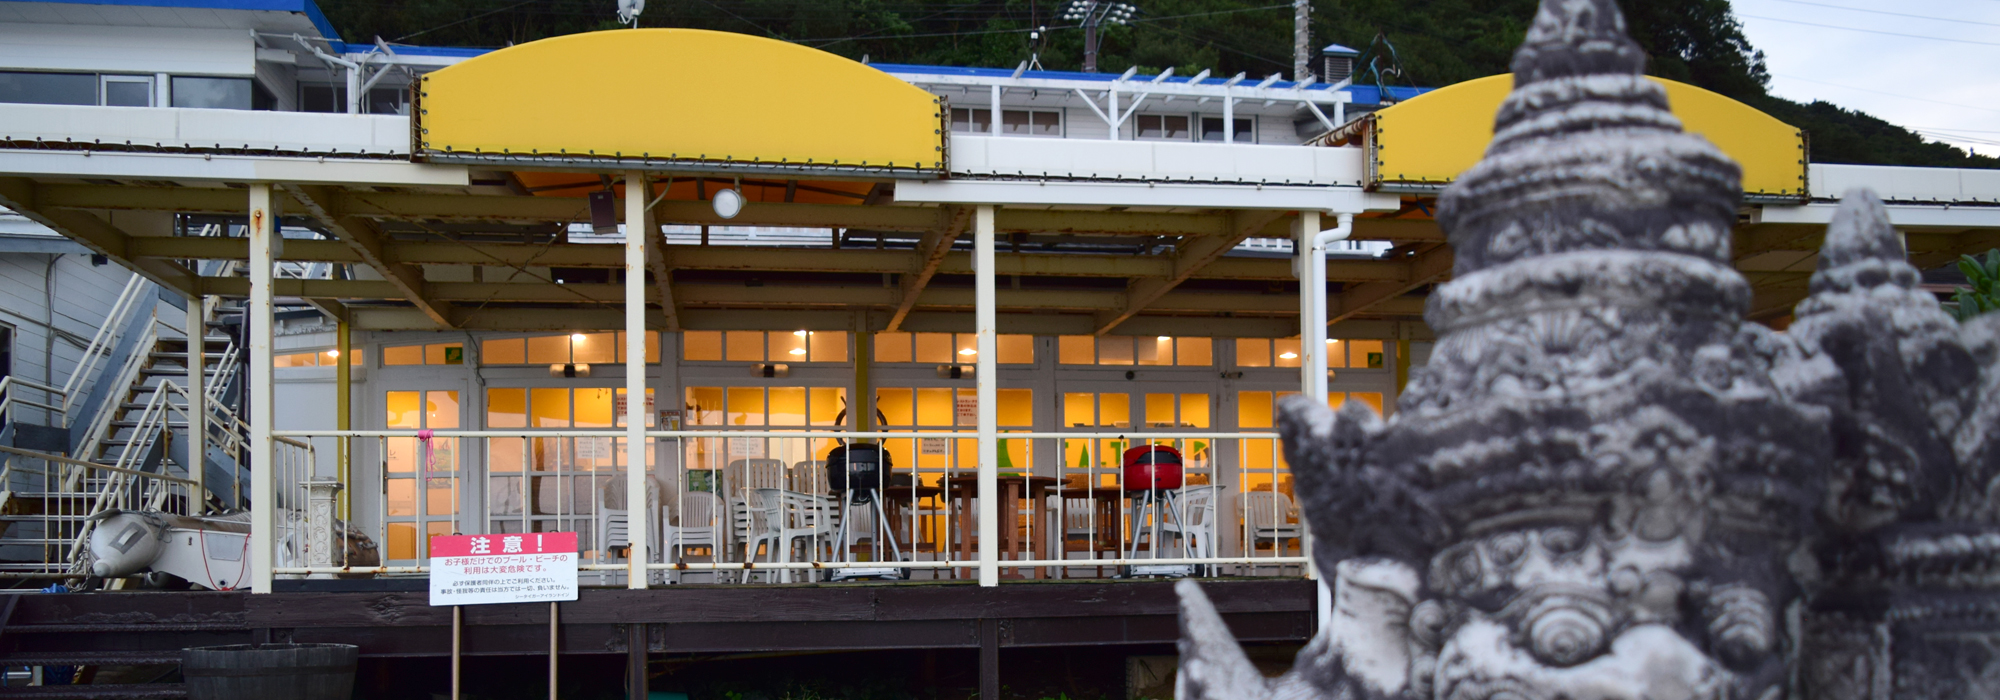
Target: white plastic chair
pixel 701 522
pixel 614 524
pixel 1269 517
pixel 786 516
pixel 1195 521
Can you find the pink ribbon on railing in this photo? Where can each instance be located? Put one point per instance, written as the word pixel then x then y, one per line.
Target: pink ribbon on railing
pixel 424 436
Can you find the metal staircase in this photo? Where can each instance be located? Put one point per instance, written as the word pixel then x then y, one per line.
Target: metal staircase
pixel 118 436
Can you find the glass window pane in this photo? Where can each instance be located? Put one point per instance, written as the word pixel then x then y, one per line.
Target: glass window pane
pixel 1114 410
pixel 441 410
pixel 828 346
pixel 434 529
pixel 1076 350
pixel 892 347
pixel 896 406
pixel 1336 353
pixel 329 358
pixel 704 405
pixel 1253 352
pixel 1014 121
pixel 507 351
pixel 593 408
pixel 934 407
pixel 441 497
pixel 301 359
pixel 405 355
pixel 701 346
pixel 827 405
pixel 505 455
pixel 1288 352
pixel 1367 353
pixel 788 405
pixel 122 91
pixel 506 408
pixel 1048 123
pixel 1016 407
pixel 399 454
pixel 1160 411
pixel 594 348
pixel 1079 410
pixel 745 346
pixel 1194 352
pixel 211 93
pixel 1154 351
pixel 548 408
pixel 1015 349
pixel 746 405
pixel 1373 399
pixel 48 88
pixel 402 540
pixel 402 496
pixel 1114 350
pixel 548 350
pixel 444 354
pixel 788 347
pixel 1194 410
pixel 934 348
pixel 652 347
pixel 402 410
pixel 650 411
pixel 1253 409
pixel 965 347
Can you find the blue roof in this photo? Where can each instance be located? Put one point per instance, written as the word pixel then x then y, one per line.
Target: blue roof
pixel 405 50
pixel 304 7
pixel 1363 94
pixel 1339 50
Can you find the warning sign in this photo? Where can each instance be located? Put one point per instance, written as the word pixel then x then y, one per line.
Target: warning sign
pixel 523 568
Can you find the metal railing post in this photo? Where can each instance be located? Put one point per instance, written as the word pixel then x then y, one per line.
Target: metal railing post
pixel 986 324
pixel 263 462
pixel 638 514
pixel 197 430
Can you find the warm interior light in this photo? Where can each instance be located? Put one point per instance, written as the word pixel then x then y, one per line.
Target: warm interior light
pixel 1330 340
pixel 576 337
pixel 798 351
pixel 1289 355
pixel 329 353
pixel 801 334
pixel 1165 339
pixel 968 351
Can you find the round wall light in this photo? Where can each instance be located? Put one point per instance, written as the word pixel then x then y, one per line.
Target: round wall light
pixel 727 203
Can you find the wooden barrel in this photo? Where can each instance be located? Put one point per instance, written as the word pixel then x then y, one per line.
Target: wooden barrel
pixel 259 671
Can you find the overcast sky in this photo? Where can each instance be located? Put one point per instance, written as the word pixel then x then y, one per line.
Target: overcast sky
pixel 1945 90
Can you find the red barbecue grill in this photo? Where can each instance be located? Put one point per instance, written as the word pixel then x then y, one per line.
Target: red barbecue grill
pixel 1152 467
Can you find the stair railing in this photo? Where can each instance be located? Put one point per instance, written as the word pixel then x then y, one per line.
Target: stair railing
pixel 100 343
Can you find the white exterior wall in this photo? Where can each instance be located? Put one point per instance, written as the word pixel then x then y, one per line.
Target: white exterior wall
pixel 136 50
pixel 82 295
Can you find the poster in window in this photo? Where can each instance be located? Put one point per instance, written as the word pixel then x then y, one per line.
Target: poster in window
pixel 934 446
pixel 968 409
pixel 746 448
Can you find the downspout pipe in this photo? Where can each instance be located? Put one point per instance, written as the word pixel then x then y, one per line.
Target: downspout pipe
pixel 1315 329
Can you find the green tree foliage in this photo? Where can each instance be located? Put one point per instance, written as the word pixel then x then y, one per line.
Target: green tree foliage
pixel 1982 295
pixel 1405 42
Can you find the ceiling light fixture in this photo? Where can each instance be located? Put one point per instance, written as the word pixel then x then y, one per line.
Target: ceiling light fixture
pixel 1289 356
pixel 727 203
pixel 968 351
pixel 576 337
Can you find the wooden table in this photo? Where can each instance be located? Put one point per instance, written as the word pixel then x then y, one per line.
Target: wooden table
pixel 901 499
pixel 1107 519
pixel 1013 488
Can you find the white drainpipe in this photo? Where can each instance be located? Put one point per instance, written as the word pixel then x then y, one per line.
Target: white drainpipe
pixel 1312 338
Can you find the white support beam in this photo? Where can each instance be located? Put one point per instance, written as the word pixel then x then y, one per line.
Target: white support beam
pixel 263 458
pixel 985 323
pixel 638 514
pixel 197 419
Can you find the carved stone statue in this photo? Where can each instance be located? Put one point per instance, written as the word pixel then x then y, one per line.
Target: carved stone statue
pixel 1607 485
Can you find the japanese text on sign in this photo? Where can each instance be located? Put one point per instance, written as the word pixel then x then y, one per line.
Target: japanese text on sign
pixel 503 568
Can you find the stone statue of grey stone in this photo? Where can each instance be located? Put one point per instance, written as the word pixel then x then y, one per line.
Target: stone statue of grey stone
pixel 1605 484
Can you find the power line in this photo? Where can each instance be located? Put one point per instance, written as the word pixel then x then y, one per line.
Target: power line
pixel 1879 92
pixel 462 21
pixel 1891 14
pixel 1873 31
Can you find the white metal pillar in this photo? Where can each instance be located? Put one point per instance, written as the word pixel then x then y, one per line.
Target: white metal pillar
pixel 197 420
pixel 1229 124
pixel 987 325
pixel 263 459
pixel 639 515
pixel 1312 296
pixel 1113 119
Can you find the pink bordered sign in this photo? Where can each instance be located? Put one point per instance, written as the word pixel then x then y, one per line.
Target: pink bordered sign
pixel 509 568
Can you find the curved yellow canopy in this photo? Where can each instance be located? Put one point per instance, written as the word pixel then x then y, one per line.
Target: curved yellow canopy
pixel 1428 140
pixel 678 99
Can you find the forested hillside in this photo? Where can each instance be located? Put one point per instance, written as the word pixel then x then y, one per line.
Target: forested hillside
pixel 1404 42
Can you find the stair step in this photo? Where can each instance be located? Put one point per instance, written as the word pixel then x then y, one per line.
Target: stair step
pixel 132 691
pixel 39 518
pixel 89 658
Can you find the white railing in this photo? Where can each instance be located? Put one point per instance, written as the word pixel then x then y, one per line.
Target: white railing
pixel 747 505
pixel 101 342
pixel 54 506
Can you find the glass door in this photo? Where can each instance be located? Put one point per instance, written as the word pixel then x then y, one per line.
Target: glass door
pixel 422 491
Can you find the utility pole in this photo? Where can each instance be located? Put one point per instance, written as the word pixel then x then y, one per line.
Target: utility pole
pixel 1090 14
pixel 1302 41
